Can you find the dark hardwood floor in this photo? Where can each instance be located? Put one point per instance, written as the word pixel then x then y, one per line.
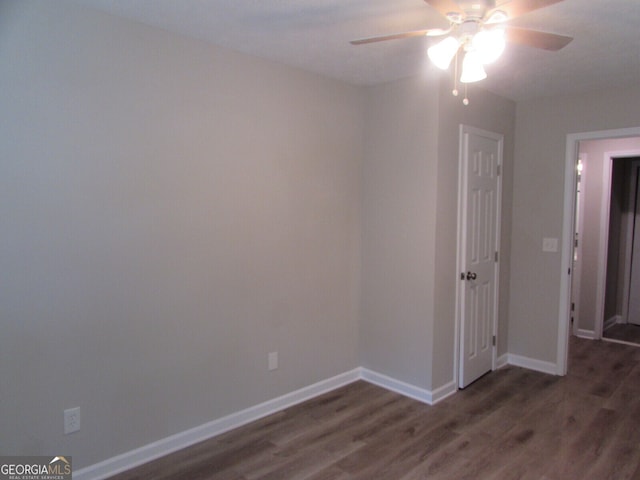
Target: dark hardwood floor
pixel 511 424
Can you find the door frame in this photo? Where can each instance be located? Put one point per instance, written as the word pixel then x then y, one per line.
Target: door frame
pixel 568 227
pixel 461 247
pixel 578 230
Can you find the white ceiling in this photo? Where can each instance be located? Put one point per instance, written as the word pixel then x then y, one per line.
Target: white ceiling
pixel 314 35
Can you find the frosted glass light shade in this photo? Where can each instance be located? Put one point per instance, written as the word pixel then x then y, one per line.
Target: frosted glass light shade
pixel 489 44
pixel 443 52
pixel 472 69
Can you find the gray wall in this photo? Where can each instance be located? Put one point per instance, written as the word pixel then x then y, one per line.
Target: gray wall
pixel 171 212
pixel 398 234
pixel 542 126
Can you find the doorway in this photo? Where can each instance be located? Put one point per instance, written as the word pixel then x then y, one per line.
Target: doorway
pixel 603 234
pixel 568 235
pixel 621 321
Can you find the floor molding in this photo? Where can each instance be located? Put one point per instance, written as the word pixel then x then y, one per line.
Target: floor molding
pixel 417 393
pixel 611 321
pixel 502 361
pixel 173 443
pixel 588 334
pixel 176 442
pixel 532 364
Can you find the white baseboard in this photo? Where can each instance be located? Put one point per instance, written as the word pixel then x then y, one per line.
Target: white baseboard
pixel 426 396
pixel 502 361
pixel 173 443
pixel 176 442
pixel 532 364
pixel 588 334
pixel 610 322
pixel 443 392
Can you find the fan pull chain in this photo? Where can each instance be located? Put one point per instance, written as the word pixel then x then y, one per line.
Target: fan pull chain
pixel 455 76
pixel 465 100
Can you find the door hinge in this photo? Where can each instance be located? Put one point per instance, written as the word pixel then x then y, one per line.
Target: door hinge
pixel 496 257
pixel 498 170
pixel 494 341
pixel 573 306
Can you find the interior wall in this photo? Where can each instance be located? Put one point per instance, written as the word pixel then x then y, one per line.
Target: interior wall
pixel 596 184
pixel 542 126
pixel 398 229
pixel 171 213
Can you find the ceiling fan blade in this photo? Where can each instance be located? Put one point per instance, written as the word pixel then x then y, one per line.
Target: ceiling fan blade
pixel 515 8
pixel 534 38
pixel 395 36
pixel 445 6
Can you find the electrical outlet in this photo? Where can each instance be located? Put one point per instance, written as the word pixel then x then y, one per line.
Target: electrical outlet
pixel 71 420
pixel 273 360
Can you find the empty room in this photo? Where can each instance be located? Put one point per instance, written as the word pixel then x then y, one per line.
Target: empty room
pixel 319 240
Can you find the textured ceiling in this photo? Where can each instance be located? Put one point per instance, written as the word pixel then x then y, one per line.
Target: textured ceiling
pixel 314 35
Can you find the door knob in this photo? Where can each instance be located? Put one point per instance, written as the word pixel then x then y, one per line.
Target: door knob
pixel 471 276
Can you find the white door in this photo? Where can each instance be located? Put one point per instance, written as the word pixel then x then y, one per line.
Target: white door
pixel 481 160
pixel 634 286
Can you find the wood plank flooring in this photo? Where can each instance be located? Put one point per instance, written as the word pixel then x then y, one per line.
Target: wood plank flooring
pixel 511 424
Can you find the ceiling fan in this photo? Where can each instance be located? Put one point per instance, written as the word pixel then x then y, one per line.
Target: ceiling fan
pixel 478 29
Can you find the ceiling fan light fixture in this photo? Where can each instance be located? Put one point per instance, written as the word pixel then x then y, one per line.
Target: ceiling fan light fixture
pixel 472 69
pixel 443 52
pixel 497 16
pixel 489 44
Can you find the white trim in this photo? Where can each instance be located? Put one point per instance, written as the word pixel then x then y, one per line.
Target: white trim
pixel 417 393
pixel 588 334
pixel 533 364
pixel 579 235
pixel 611 321
pixel 564 310
pixel 151 451
pixel 443 392
pixel 503 361
pixel 615 340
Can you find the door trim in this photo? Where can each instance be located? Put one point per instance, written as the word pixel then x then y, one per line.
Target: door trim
pixel 568 222
pixel 461 244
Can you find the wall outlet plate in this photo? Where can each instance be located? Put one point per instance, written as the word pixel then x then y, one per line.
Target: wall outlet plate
pixel 71 420
pixel 273 360
pixel 550 245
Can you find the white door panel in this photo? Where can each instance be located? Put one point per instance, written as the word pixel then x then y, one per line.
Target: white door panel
pixel 481 158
